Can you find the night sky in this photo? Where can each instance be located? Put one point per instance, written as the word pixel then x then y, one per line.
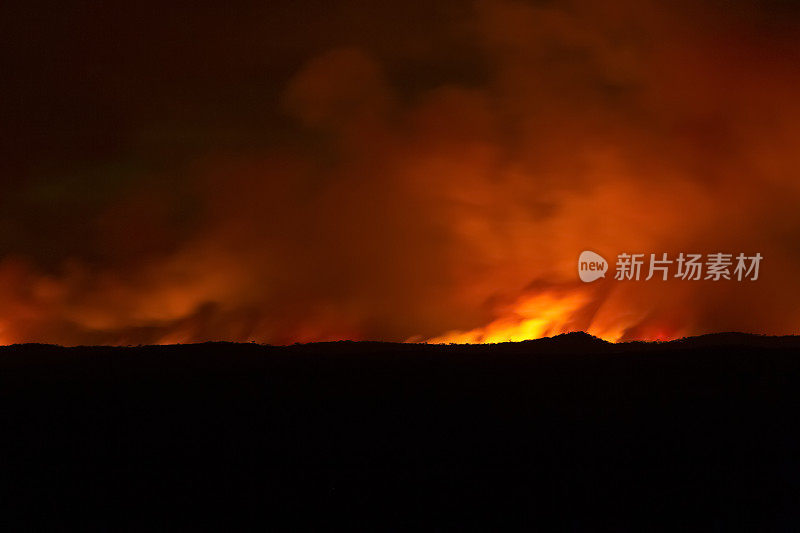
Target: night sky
pixel 299 171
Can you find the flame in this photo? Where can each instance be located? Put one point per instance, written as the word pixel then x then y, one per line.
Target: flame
pixel 536 316
pixel 449 206
pixel 531 318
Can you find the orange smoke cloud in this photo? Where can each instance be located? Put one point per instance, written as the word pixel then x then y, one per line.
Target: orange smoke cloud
pixel 456 212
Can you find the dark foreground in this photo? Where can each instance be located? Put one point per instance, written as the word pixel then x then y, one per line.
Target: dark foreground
pixel 568 434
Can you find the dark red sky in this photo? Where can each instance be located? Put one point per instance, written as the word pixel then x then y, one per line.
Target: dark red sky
pixel 282 171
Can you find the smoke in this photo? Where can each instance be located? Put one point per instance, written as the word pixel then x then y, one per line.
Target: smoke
pixel 456 210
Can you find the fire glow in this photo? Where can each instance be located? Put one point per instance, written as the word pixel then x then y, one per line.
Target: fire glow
pixel 398 198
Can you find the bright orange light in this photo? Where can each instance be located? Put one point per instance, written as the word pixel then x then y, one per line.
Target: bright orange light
pixel 533 317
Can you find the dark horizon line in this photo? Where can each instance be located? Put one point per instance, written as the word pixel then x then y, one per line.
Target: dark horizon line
pixel 574 336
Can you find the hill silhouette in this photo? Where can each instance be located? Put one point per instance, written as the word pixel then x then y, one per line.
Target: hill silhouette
pixel 568 433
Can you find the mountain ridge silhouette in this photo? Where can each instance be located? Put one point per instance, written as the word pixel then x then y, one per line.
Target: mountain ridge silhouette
pixel 569 433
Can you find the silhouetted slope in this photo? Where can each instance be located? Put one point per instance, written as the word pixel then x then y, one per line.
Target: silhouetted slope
pixel 570 433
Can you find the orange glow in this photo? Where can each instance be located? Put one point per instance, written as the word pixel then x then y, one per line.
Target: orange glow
pixel 532 318
pixel 545 315
pixel 441 189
